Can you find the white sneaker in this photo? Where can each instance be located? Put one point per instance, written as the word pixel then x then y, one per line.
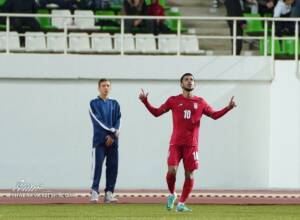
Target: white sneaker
pixel 109 197
pixel 94 196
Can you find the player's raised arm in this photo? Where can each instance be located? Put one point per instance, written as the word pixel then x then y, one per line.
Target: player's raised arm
pixel 208 110
pixel 154 111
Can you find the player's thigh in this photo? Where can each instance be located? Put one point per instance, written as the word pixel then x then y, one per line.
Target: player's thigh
pixel 175 155
pixel 190 158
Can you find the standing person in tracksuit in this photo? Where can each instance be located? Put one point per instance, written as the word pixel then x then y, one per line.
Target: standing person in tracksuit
pixel 105 114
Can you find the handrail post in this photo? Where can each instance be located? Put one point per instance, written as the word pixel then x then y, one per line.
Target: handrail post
pixel 266 38
pixel 122 36
pixel 7 34
pixel 297 48
pixel 234 37
pixel 66 37
pixel 178 36
pixel 273 50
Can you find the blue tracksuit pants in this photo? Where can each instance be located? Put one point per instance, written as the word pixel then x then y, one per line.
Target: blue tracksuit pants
pixel 112 157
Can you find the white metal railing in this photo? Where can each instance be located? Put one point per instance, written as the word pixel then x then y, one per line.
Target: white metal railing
pixel 234 38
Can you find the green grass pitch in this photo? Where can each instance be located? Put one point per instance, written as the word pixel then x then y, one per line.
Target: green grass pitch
pixel 148 212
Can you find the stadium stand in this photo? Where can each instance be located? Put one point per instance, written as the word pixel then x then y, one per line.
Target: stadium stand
pixel 56 41
pixel 79 42
pixel 145 43
pixel 10 40
pixel 164 43
pixel 128 42
pixel 102 42
pixel 35 41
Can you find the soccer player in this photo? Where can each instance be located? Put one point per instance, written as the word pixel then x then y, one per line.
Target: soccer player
pixel 105 114
pixel 187 111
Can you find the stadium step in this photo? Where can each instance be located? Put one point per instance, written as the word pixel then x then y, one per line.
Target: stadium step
pixel 216 28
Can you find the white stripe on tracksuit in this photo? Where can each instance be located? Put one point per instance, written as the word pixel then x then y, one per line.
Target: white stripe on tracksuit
pixel 113 130
pixel 93 165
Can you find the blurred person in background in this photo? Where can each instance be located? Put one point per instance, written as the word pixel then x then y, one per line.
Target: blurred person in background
pixel 266 7
pixel 234 9
pixel 61 4
pixel 22 24
pixel 155 9
pixel 134 8
pixel 94 4
pixel 283 9
pixel 296 9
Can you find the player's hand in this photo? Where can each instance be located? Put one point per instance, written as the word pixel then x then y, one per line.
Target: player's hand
pixel 109 141
pixel 143 96
pixel 137 22
pixel 116 134
pixel 231 104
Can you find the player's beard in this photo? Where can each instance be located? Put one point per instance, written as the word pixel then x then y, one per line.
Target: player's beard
pixel 187 89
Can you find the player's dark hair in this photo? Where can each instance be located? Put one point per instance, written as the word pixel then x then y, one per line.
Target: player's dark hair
pixel 102 80
pixel 184 75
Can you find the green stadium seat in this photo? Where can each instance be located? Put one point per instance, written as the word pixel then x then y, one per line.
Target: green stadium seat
pixel 116 8
pixel 2 2
pixel 111 29
pixel 107 25
pixel 105 12
pixel 172 24
pixel 253 27
pixel 2 27
pixel 288 47
pixel 278 50
pixel 163 3
pixel 268 15
pixel 45 22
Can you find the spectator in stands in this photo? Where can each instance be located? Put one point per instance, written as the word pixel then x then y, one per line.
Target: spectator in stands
pixel 283 9
pixel 296 9
pixel 21 24
pixel 78 4
pixel 234 9
pixel 97 4
pixel 136 7
pixel 155 9
pixel 94 4
pixel 62 4
pixel 24 7
pixel 266 7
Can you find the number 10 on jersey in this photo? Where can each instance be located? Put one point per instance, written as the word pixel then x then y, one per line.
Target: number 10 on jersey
pixel 187 114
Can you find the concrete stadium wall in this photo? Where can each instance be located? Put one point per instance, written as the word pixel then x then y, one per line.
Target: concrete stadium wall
pixel 285 127
pixel 45 129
